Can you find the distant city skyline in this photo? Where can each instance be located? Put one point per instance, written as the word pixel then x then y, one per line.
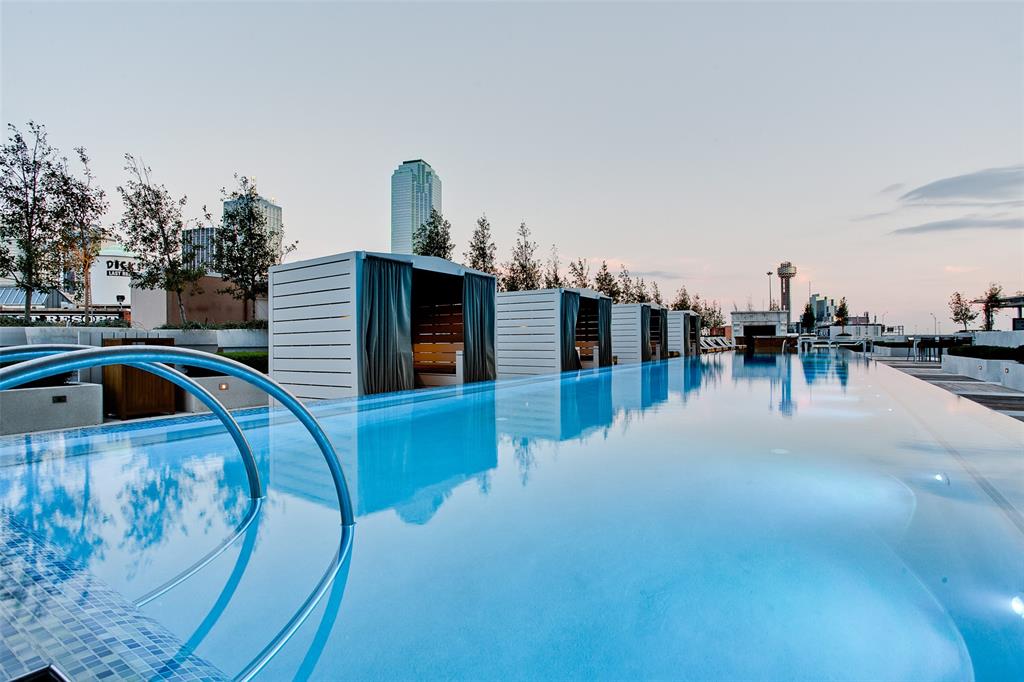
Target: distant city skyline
pixel 879 147
pixel 415 191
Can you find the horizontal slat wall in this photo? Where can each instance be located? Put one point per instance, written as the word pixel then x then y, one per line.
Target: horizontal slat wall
pixel 676 329
pixel 437 333
pixel 626 332
pixel 312 311
pixel 527 337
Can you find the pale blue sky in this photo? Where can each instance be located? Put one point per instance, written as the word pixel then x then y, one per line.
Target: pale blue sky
pixel 701 143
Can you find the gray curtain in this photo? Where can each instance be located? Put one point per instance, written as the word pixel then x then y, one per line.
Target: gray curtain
pixel 663 316
pixel 478 327
pixel 385 309
pixel 604 331
pixel 570 313
pixel 645 333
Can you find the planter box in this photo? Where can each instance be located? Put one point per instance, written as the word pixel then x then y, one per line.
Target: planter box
pixel 1004 339
pixel 1005 372
pixel 23 410
pixel 231 392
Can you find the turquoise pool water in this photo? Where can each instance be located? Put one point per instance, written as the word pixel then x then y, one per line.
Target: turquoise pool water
pixel 759 518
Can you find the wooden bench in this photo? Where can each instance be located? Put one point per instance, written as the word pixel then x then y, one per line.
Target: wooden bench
pixel 437 364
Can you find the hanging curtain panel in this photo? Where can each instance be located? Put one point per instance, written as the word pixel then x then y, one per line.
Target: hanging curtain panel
pixel 604 331
pixel 478 327
pixel 663 315
pixel 645 333
pixel 570 313
pixel 385 308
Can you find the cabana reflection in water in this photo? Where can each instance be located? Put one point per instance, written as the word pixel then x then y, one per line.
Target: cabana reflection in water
pixel 483 530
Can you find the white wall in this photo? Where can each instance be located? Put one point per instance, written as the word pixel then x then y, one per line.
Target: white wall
pixel 527 340
pixel 109 277
pixel 676 331
pixel 314 327
pixel 1005 339
pixel 626 332
pixel 149 307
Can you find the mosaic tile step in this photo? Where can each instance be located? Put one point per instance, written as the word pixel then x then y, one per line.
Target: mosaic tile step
pixel 53 612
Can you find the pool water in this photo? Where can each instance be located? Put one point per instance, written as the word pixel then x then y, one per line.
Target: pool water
pixel 725 517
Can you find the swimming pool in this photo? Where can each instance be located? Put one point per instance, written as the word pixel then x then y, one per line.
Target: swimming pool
pixel 766 517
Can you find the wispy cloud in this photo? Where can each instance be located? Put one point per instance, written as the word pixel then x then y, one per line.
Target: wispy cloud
pixel 960 269
pixel 964 223
pixel 889 189
pixel 991 186
pixel 661 274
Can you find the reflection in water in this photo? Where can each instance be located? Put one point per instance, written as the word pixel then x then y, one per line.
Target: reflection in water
pixel 776 368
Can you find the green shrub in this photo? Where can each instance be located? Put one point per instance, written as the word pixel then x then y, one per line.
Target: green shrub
pixel 210 326
pixel 259 360
pixel 989 352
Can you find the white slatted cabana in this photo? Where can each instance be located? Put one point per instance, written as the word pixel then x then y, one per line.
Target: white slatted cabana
pixel 358 323
pixel 631 332
pixel 683 332
pixel 545 331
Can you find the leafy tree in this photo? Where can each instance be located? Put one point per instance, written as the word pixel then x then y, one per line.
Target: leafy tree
pixel 960 310
pixel 30 198
pixel 989 304
pixel 604 281
pixel 656 294
pixel 434 237
pixel 552 277
pixel 579 274
pixel 82 205
pixel 711 316
pixel 842 313
pixel 682 299
pixel 243 248
pixel 482 251
pixel 523 271
pixel 152 227
pixel 807 319
pixel 627 291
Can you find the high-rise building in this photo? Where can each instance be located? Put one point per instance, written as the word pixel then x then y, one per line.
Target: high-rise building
pixel 271 211
pixel 415 189
pixel 201 239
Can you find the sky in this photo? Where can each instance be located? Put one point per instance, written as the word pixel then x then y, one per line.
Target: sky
pixel 879 147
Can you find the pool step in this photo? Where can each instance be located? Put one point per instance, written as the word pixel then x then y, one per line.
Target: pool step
pixel 54 613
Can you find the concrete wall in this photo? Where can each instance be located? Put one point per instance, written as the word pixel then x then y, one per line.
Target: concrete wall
pixel 152 308
pixel 24 410
pixel 231 392
pixel 1005 372
pixel 1004 339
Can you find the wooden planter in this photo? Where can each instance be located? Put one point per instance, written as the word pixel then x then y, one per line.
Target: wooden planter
pixel 130 392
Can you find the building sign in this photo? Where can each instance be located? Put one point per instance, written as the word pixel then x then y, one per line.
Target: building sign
pixel 117 267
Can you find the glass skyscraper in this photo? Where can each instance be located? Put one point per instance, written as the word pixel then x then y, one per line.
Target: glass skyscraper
pixel 415 189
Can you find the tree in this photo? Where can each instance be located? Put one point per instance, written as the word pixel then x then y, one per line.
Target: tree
pixel 82 205
pixel 842 314
pixel 434 237
pixel 627 291
pixel 711 316
pixel 152 227
pixel 640 293
pixel 807 319
pixel 989 304
pixel 682 299
pixel 579 274
pixel 960 310
pixel 523 271
pixel 604 281
pixel 552 277
pixel 656 294
pixel 481 252
pixel 29 209
pixel 243 247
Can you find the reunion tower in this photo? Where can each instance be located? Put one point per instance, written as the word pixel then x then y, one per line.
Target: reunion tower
pixel 786 272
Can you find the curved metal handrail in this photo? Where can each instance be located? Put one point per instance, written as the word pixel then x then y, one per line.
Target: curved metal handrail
pixel 116 355
pixel 256 491
pixel 113 355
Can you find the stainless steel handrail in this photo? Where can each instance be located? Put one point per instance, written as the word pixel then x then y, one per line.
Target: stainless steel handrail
pixel 39 368
pixel 32 351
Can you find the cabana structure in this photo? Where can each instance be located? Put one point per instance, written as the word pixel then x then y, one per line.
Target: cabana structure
pixel 639 332
pixel 683 332
pixel 544 331
pixel 359 323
